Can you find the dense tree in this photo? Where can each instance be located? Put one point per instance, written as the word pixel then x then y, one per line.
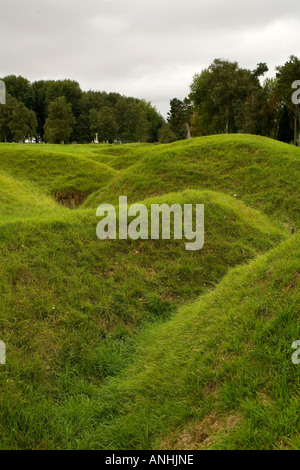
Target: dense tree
pixel 154 119
pixel 5 118
pixel 248 108
pixel 93 99
pixel 60 121
pixel 223 98
pixel 166 135
pixel 285 131
pixel 36 101
pixel 286 75
pixel 82 130
pixel 215 92
pixel 93 121
pixel 179 118
pixel 120 111
pixel 272 108
pixel 17 87
pixel 94 102
pixel 137 125
pixel 228 98
pixel 69 89
pixel 39 95
pixel 89 100
pixel 108 127
pixel 260 70
pixel 23 123
pixel 104 124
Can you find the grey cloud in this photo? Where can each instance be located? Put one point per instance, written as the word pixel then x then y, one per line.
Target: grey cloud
pixel 149 49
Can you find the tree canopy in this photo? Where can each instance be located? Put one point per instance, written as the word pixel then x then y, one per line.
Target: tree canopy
pixel 223 98
pixel 60 121
pixel 227 98
pixel 119 118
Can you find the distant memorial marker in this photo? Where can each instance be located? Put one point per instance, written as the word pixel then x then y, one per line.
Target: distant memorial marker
pixel 96 141
pixel 2 93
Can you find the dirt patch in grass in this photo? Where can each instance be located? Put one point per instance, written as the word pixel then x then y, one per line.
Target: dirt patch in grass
pixel 70 199
pixel 202 435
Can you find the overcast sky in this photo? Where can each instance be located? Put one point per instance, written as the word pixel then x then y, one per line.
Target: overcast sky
pixel 142 48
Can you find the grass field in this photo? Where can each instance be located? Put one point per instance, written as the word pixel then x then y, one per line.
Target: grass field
pixel 141 344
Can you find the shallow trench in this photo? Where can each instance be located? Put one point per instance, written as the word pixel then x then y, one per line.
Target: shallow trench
pixel 70 199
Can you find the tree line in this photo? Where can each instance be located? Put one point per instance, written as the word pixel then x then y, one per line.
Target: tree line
pixel 225 98
pixel 58 111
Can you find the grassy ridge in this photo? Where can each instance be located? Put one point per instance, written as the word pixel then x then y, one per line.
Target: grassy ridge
pixel 22 199
pixel 218 375
pixel 53 168
pixel 72 303
pixel 263 173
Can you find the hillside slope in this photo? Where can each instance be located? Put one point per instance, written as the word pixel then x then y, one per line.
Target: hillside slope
pixel 22 199
pixel 55 168
pixel 262 172
pixel 218 375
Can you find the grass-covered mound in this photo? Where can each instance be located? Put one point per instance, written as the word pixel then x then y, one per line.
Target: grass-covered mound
pixel 262 172
pixel 78 314
pixel 55 168
pixel 71 303
pixel 22 199
pixel 218 375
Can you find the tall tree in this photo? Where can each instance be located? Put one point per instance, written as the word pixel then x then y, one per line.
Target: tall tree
pixel 285 130
pixel 72 93
pixel 120 110
pixel 286 75
pixel 36 101
pixel 107 125
pixel 248 108
pixel 136 123
pixel 272 108
pixel 214 92
pixel 166 135
pixel 23 123
pixel 93 120
pixel 154 119
pixel 17 87
pixel 60 121
pixel 5 118
pixel 137 120
pixel 179 118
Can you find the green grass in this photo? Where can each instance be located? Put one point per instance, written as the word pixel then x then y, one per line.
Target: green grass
pixel 142 344
pixel 55 169
pixel 263 173
pixel 226 355
pixel 22 199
